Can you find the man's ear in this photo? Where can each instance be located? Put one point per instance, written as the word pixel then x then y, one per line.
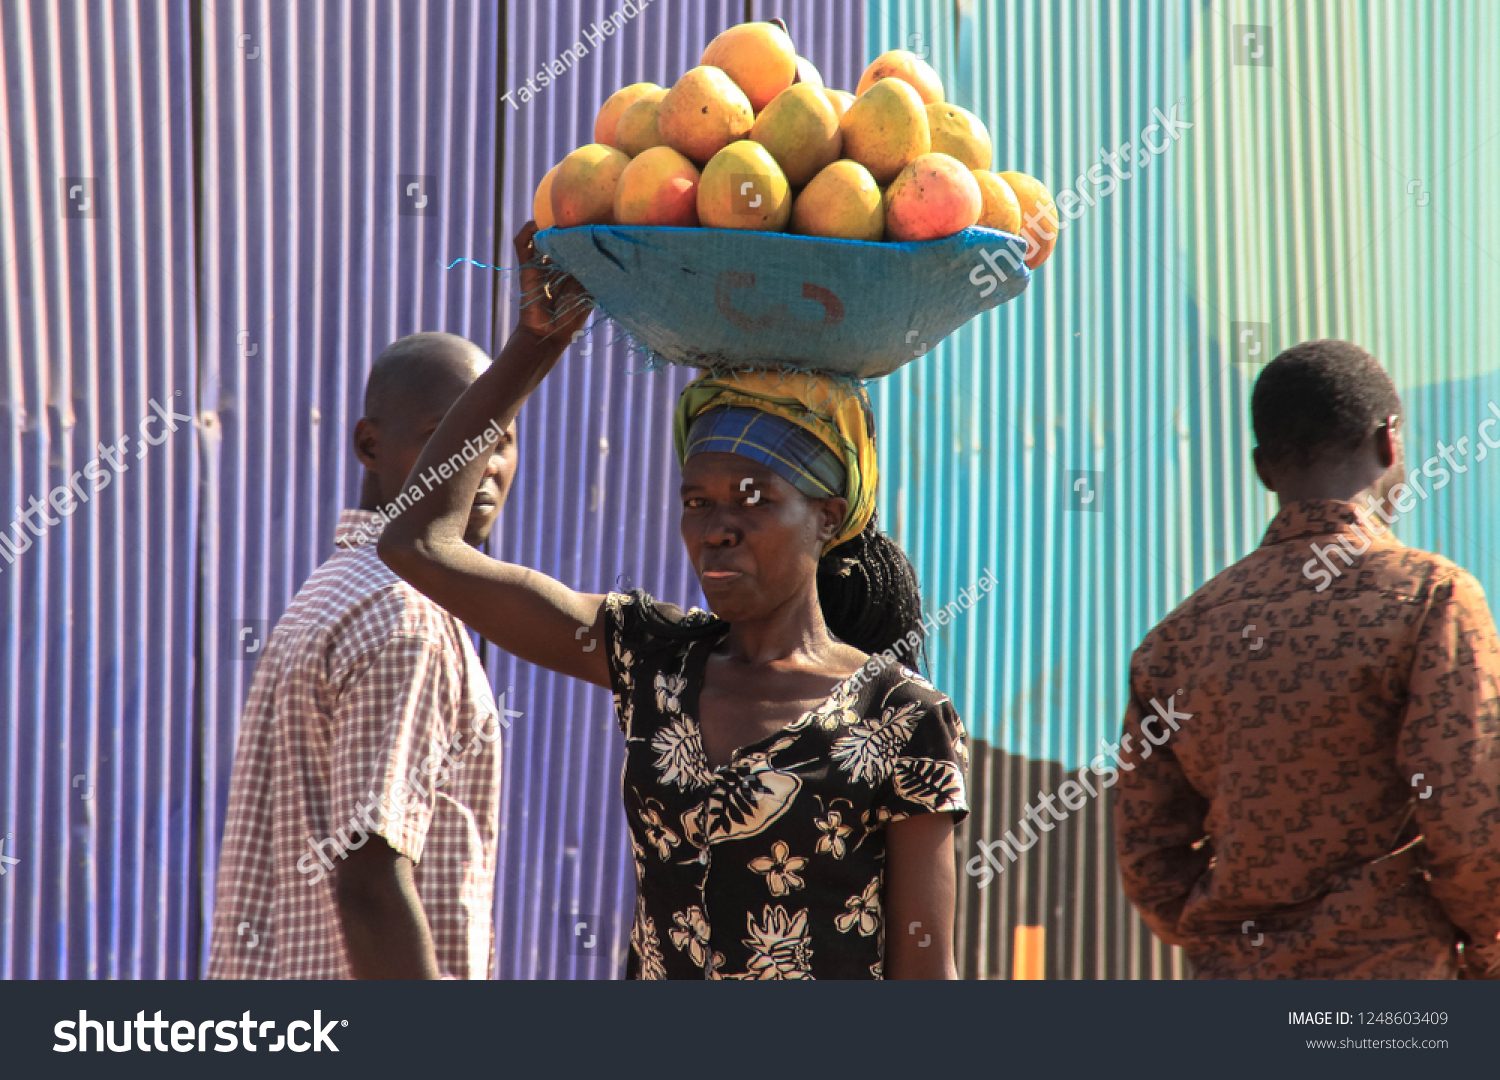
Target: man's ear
pixel 366 442
pixel 1387 443
pixel 1263 469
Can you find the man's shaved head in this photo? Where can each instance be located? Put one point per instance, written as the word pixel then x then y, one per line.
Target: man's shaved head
pixel 411 370
pixel 412 385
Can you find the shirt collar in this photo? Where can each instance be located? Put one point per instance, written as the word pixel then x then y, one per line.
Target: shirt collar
pixel 357 528
pixel 1325 517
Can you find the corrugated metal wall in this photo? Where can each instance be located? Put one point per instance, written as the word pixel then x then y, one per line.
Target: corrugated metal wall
pixel 98 752
pixel 314 122
pixel 1285 207
pixel 258 241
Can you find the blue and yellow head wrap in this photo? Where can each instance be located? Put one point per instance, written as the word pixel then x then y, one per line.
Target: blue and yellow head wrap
pixel 814 431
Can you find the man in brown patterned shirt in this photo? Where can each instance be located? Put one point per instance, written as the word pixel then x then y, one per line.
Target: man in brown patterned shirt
pixel 1320 795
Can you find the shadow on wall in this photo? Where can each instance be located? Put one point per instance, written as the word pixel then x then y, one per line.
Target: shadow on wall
pixel 1067 884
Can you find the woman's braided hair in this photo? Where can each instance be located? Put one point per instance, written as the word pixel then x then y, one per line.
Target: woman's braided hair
pixel 868 590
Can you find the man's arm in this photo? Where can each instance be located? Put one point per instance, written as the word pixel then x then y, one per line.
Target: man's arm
pixel 385 929
pixel 1451 736
pixel 919 898
pixel 392 712
pixel 1158 818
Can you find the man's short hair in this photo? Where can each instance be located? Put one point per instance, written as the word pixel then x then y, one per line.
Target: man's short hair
pixel 1318 401
pixel 404 373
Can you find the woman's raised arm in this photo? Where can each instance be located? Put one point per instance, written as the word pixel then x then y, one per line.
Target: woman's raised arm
pixel 526 613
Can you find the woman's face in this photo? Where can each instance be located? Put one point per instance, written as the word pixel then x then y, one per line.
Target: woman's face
pixel 753 538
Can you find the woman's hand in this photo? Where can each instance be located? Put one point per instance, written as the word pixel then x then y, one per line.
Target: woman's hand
pixel 526 613
pixel 553 305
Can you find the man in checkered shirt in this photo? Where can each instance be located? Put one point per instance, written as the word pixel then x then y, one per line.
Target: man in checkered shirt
pixel 364 804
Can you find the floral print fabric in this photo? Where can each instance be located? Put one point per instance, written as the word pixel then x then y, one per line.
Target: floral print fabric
pixel 771 867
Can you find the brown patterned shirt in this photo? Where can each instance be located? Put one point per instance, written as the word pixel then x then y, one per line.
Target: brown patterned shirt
pixel 1332 698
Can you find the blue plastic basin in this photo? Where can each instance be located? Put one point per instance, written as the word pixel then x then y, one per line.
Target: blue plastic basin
pixel 734 298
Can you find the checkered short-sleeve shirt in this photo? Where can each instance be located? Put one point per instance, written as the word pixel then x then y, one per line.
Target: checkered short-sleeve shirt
pixel 369 714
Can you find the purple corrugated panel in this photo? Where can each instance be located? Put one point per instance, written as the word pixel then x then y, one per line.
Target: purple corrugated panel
pixel 306 257
pixel 347 154
pixel 595 498
pixel 96 642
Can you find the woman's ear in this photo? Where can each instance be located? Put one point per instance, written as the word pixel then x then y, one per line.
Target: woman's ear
pixel 832 513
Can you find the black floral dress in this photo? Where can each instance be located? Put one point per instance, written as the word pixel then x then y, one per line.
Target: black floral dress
pixel 770 867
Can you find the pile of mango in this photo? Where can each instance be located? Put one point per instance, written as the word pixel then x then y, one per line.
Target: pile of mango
pixel 751 139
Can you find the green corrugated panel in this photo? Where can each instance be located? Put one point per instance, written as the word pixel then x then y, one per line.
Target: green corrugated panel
pixel 1287 204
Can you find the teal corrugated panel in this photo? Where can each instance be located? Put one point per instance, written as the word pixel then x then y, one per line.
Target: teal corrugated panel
pixel 1334 190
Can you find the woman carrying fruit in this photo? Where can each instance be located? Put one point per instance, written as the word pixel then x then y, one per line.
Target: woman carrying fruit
pixel 791 792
